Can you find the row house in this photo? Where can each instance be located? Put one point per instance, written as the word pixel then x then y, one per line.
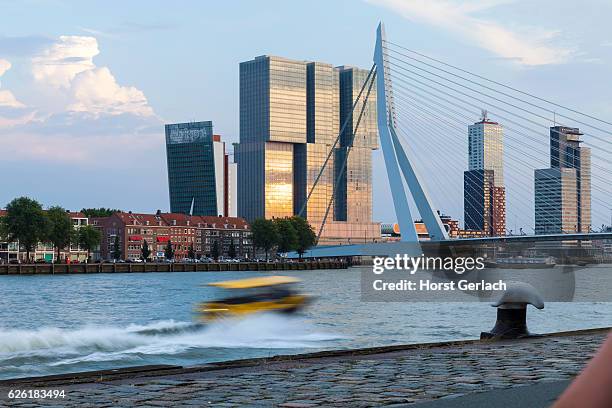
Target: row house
pixel 184 231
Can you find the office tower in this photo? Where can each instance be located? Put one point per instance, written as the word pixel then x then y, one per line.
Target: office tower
pixel 485 152
pixel 322 127
pixel 197 169
pixel 354 192
pixel 566 152
pixel 483 202
pixel 563 192
pixel 290 116
pixel 272 120
pixel 555 201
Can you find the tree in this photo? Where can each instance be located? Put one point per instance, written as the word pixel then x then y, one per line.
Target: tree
pixel 98 212
pixel 61 232
pixel 26 222
pixel 191 253
pixel 169 251
pixel 306 237
pixel 287 236
pixel 214 253
pixel 116 249
pixel 264 234
pixel 145 252
pixel 231 251
pixel 89 238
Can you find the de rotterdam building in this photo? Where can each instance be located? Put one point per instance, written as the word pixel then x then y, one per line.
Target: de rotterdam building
pixel 291 113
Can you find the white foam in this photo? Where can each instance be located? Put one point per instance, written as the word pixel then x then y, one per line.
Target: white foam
pixel 56 346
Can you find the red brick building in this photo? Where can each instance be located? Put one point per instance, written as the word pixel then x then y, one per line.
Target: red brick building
pixel 184 231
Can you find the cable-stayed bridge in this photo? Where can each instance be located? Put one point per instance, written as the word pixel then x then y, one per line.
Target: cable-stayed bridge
pixel 423 108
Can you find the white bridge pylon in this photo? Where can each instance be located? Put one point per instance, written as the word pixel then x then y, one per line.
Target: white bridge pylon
pixel 397 160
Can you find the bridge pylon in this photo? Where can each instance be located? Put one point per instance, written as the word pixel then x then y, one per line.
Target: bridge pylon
pixel 398 163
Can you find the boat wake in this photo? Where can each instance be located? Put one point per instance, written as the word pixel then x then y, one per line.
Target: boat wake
pixel 51 350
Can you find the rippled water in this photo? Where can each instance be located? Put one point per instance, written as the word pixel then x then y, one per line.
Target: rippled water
pixel 63 323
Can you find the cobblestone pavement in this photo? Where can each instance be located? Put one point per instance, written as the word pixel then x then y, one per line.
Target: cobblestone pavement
pixel 399 377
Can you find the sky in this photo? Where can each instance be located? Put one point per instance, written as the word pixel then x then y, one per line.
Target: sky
pixel 85 87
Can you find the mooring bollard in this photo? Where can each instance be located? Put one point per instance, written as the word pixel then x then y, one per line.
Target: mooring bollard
pixel 512 311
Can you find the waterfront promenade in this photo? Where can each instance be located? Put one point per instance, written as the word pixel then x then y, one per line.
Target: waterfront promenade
pixel 385 376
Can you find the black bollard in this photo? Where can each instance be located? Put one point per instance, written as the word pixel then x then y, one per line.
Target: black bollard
pixel 511 320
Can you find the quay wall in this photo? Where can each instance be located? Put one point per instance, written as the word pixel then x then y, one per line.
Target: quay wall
pixel 56 269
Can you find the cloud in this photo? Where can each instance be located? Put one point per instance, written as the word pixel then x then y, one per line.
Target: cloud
pixel 63 60
pixel 7 99
pixel 77 111
pixel 96 91
pixel 530 46
pixel 68 66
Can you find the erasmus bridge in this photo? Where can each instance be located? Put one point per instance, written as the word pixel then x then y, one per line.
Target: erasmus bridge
pixel 423 106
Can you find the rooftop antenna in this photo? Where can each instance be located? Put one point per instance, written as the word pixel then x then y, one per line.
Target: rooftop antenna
pixel 484 113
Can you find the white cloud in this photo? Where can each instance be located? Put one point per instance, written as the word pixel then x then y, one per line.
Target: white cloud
pixel 530 46
pixel 96 91
pixel 76 110
pixel 7 99
pixel 59 63
pixel 67 66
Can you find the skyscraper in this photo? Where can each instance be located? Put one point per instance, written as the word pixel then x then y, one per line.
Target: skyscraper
pixel 197 169
pixel 290 116
pixel 485 152
pixel 272 120
pixel 563 192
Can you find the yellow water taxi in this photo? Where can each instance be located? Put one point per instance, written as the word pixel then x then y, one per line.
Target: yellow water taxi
pixel 254 295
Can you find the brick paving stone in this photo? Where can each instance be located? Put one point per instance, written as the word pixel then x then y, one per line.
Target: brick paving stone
pixel 400 378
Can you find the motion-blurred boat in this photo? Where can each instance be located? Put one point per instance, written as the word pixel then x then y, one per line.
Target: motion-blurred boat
pixel 254 295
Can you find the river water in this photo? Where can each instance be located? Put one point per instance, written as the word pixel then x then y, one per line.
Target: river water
pixel 67 323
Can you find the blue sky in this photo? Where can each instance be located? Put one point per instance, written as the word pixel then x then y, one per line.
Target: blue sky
pixel 85 87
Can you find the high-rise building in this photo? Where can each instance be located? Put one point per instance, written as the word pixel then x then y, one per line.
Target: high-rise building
pixel 563 192
pixel 483 202
pixel 354 192
pixel 198 168
pixel 485 179
pixel 290 116
pixel 555 201
pixel 272 120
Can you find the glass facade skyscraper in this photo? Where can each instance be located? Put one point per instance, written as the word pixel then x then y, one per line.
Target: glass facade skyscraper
pixel 563 192
pixel 290 116
pixel 191 169
pixel 484 179
pixel 197 169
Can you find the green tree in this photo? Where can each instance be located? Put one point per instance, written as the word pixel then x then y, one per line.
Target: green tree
pixel 61 232
pixel 89 238
pixel 214 253
pixel 191 253
pixel 169 251
pixel 98 212
pixel 145 252
pixel 26 222
pixel 287 236
pixel 116 249
pixel 306 237
pixel 264 234
pixel 231 251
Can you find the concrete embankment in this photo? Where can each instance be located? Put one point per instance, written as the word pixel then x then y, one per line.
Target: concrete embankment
pixel 52 269
pixel 395 375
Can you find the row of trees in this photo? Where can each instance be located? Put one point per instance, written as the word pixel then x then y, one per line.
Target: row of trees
pixel 28 223
pixel 284 234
